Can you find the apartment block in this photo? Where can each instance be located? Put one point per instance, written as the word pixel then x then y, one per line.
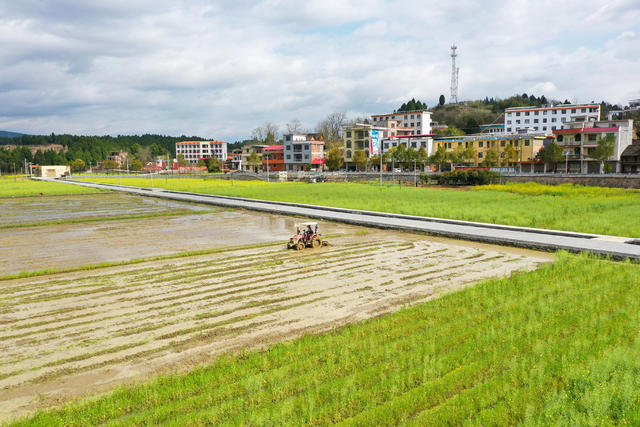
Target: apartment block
pixel 196 150
pixel 580 139
pixel 302 150
pixel 526 146
pixel 409 141
pixel 548 118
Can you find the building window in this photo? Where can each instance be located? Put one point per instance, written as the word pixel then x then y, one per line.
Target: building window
pixel 288 156
pixel 592 137
pixel 559 138
pixel 544 112
pixel 480 144
pixel 348 134
pixel 517 122
pixel 526 142
pixel 348 153
pixel 411 124
pixel 349 145
pixel 508 129
pixel 584 110
pixel 544 128
pixel 573 111
pixel 412 117
pixel 479 155
pixel 564 111
pixel 564 120
pixel 517 114
pixel 578 138
pixel 535 120
pixel 553 120
pixel 526 121
pixel 375 119
pixel 503 143
pixel 537 112
pixel 553 128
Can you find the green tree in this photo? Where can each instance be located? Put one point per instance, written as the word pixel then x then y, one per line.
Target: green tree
pixel 202 162
pixel 439 158
pixel 213 164
pixel 510 155
pixel 181 160
pixel 77 165
pixel 334 159
pixel 472 126
pixel 552 155
pixel 441 100
pixel 254 161
pixel 421 156
pixel 470 154
pixel 135 165
pixel 360 159
pixel 491 158
pixel 604 151
pixel 109 165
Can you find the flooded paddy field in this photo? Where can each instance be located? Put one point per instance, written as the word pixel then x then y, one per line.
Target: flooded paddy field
pixel 30 210
pixel 77 333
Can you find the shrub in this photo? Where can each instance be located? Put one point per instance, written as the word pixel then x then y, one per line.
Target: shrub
pixel 464 177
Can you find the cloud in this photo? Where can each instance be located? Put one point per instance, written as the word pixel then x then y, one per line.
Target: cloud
pixel 219 69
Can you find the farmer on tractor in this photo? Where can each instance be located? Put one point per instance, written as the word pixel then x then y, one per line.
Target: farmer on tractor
pixel 307 236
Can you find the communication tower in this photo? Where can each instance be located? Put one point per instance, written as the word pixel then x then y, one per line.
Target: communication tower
pixel 454 76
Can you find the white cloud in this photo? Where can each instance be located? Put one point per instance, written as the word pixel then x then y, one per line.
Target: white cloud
pixel 219 69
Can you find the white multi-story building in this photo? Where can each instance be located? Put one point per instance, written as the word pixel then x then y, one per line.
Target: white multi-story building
pixel 302 150
pixel 403 123
pixel 580 139
pixel 548 118
pixel 196 150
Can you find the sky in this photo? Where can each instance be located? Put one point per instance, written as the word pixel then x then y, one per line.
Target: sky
pixel 218 69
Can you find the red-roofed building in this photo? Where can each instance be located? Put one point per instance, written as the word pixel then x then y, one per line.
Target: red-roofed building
pixel 273 158
pixel 196 150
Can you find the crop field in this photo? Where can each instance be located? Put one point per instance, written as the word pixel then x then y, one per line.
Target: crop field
pixel 68 334
pixel 21 187
pixel 565 207
pixel 557 345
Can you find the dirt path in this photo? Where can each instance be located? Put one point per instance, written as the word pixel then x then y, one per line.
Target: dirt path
pixel 65 336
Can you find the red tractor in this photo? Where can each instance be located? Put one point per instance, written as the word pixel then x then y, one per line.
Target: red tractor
pixel 306 236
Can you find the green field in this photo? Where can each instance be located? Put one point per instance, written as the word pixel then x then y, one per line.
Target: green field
pixel 23 187
pixel 558 345
pixel 564 207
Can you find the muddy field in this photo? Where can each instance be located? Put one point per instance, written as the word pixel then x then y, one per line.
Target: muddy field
pixel 21 210
pixel 74 334
pixel 66 335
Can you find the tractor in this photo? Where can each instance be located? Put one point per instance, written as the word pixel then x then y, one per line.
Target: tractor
pixel 306 236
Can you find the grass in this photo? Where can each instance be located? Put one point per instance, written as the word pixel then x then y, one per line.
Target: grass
pixel 557 345
pixel 24 187
pixel 572 208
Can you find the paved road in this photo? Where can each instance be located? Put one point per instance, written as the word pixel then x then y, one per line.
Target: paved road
pixel 612 246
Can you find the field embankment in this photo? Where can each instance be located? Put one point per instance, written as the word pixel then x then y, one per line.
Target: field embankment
pixel 582 209
pixel 556 345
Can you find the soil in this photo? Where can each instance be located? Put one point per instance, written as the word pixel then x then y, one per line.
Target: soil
pixel 70 335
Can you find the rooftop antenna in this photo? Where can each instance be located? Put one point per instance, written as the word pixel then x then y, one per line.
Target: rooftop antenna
pixel 454 76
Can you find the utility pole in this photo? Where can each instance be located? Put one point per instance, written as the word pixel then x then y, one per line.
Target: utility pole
pixel 415 176
pixel 380 154
pixel 454 76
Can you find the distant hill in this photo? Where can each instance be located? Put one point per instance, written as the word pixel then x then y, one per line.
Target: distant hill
pixel 7 134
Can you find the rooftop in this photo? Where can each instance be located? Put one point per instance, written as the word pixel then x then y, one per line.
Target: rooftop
pixel 200 142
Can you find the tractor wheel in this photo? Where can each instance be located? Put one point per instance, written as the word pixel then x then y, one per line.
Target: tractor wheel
pixel 300 246
pixel 316 243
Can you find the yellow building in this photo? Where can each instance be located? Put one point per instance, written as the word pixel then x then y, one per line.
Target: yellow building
pixel 525 146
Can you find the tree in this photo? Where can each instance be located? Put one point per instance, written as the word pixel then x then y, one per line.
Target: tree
pixel 331 129
pixel 439 157
pixel 334 159
pixel 421 156
pixel 181 160
pixel 202 162
pixel 109 165
pixel 266 134
pixel 472 126
pixel 135 165
pixel 77 165
pixel 470 154
pixel 441 100
pixel 294 126
pixel 604 151
pixel 552 154
pixel 491 158
pixel 254 161
pixel 510 155
pixel 450 131
pixel 360 159
pixel 213 164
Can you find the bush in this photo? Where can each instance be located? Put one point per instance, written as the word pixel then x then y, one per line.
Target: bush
pixel 464 177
